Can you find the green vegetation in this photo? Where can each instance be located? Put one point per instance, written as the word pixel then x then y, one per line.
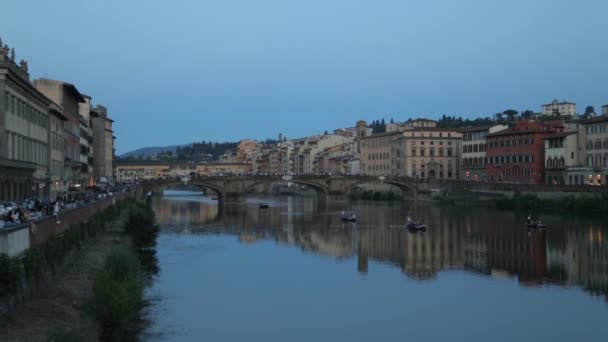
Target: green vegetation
pixel 48 257
pixel 10 273
pixel 592 204
pixel 118 288
pixel 117 294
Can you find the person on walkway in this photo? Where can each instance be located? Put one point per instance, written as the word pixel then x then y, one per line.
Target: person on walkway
pixel 56 211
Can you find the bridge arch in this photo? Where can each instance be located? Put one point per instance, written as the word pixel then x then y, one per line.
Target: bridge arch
pixel 164 185
pixel 320 189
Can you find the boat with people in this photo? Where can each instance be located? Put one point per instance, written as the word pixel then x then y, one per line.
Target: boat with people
pixel 413 225
pixel 534 223
pixel 348 217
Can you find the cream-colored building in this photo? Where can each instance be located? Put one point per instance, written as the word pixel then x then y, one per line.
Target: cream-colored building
pixel 605 110
pixel 247 150
pixel 87 177
pixel 305 150
pixel 563 162
pixel 563 108
pixel 58 181
pixel 103 145
pixel 431 153
pixel 474 151
pixel 217 169
pixel 377 154
pixel 24 132
pixel 337 160
pixel 595 132
pixel 68 98
pixel 130 172
pixel 411 123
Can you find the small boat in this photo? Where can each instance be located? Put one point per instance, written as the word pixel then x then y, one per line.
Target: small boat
pixel 412 225
pixel 348 217
pixel 537 224
pixel 263 206
pixel 534 223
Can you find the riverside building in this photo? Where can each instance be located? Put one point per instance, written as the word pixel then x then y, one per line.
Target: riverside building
pixel 24 132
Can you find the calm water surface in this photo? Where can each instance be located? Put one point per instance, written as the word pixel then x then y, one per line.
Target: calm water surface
pixel 294 272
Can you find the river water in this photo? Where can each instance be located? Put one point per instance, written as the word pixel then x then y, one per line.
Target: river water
pixel 295 272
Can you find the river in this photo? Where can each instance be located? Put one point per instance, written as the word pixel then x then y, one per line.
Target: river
pixel 295 272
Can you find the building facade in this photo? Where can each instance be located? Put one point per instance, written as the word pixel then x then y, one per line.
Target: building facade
pixel 87 177
pixel 24 137
pixel 562 159
pixel 474 151
pixel 605 110
pixel 57 151
pixel 561 108
pixel 595 132
pixel 517 154
pixel 103 145
pixel 68 98
pixel 430 153
pixel 378 157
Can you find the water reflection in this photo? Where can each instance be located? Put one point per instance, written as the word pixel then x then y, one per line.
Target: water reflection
pixel 570 252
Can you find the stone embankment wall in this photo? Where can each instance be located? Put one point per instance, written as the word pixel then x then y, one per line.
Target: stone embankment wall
pixel 493 189
pixel 14 241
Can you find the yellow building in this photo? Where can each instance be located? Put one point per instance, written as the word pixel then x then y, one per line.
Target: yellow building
pixel 377 154
pixel 426 152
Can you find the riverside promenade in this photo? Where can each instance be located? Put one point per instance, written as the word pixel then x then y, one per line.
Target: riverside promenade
pixel 14 241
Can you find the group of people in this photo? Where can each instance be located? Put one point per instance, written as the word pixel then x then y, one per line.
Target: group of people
pixel 31 210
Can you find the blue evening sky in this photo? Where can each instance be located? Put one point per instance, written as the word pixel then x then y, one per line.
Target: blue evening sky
pixel 173 72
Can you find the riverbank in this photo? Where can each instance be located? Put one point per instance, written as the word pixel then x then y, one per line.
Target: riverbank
pixel 596 204
pixel 57 312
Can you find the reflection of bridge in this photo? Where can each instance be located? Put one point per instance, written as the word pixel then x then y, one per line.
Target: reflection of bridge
pixel 323 185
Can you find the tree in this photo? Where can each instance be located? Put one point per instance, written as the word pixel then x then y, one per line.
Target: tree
pixel 325 133
pixel 510 113
pixel 589 110
pixel 527 114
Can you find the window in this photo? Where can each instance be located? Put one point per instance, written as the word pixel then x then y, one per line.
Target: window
pixel 6 104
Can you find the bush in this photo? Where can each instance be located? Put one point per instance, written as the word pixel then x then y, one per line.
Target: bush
pixel 33 263
pixel 140 223
pixel 117 294
pixel 10 275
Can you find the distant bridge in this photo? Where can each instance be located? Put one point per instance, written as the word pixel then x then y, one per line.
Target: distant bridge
pixel 323 185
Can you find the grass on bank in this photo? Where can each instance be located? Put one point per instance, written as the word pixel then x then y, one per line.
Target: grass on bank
pixel 591 204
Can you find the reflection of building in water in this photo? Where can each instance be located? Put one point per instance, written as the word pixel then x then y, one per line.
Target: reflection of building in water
pixel 519 251
pixel 583 256
pixel 419 255
pixel 173 212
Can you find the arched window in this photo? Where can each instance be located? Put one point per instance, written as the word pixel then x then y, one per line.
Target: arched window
pixel 549 161
pixel 562 162
pixel 555 162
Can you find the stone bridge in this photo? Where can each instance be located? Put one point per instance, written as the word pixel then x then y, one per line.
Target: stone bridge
pixel 323 185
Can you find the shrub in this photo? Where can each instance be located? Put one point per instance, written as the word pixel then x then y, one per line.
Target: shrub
pixel 140 223
pixel 10 274
pixel 33 263
pixel 117 294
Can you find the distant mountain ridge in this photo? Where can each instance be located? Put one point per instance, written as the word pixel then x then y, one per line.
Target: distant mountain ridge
pixel 149 151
